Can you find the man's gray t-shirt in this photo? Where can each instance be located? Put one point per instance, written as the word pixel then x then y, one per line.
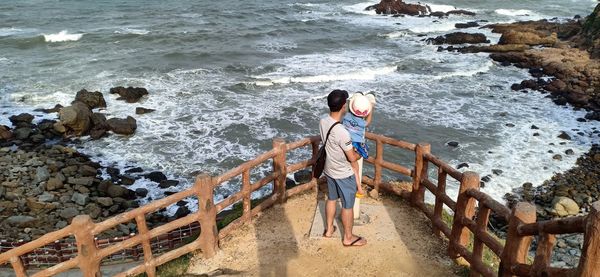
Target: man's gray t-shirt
pixel 337 165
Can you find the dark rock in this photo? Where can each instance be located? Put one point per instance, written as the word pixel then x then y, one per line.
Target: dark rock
pixel 557 157
pixel 536 134
pixel 399 7
pixel 156 176
pixel 289 183
pixel 113 172
pixel 564 135
pixel 466 25
pixel 486 178
pixel 595 115
pixel 569 152
pixel 22 133
pixel 462 165
pixel 56 108
pixel 168 183
pixel 581 119
pixel 181 212
pixel 21 120
pixel 497 171
pixel 134 170
pixel 452 144
pixel 140 110
pixel 127 180
pixel 116 191
pixel 91 99
pixel 130 94
pixel 122 126
pixel 5 133
pixel 459 38
pixel 76 118
pixel 533 127
pixel 86 170
pixel 98 133
pixel 509 125
pixel 69 213
pixel 141 192
pixel 461 12
pixel 99 120
pixel 181 203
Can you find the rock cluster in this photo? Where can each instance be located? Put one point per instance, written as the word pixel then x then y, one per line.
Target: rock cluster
pixel 398 7
pixel 459 38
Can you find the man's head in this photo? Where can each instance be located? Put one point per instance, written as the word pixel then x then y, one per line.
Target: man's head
pixel 336 100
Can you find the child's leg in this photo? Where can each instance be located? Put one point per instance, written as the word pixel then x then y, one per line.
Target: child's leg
pixel 357 176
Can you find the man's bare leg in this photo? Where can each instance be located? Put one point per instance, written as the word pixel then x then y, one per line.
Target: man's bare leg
pixel 348 222
pixel 329 215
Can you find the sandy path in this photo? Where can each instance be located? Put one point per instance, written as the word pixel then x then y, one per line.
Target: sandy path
pixel 279 244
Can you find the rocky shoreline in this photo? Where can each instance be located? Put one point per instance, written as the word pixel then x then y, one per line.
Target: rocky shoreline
pixel 45 182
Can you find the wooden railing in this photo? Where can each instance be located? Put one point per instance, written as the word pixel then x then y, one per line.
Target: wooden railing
pixel 472 210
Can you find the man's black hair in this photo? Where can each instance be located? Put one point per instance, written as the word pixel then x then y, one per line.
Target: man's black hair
pixel 336 100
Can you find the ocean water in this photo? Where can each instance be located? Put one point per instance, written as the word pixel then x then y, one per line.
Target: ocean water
pixel 226 79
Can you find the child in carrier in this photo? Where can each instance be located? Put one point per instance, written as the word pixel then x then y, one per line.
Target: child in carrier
pixel 356 122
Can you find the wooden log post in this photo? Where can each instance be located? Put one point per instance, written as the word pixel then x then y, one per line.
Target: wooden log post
pixel 18 267
pixel 87 253
pixel 207 216
pixel 378 167
pixel 439 203
pixel 543 254
pixel 418 191
pixel 279 167
pixel 516 248
pixel 483 216
pixel 589 263
pixel 465 208
pixel 246 191
pixel 140 220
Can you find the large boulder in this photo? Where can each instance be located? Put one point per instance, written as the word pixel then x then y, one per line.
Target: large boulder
pixel 130 94
pixel 121 126
pixel 528 38
pixel 399 7
pixel 76 118
pixel 21 120
pixel 93 99
pixel 591 33
pixel 564 206
pixel 459 38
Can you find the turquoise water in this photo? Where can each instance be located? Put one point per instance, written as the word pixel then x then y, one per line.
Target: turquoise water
pixel 226 77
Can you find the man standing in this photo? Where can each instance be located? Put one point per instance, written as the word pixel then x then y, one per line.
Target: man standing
pixel 341 182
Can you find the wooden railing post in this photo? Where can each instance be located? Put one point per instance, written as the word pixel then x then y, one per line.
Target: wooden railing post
pixel 378 168
pixel 589 263
pixel 543 254
pixel 18 267
pixel 279 167
pixel 147 249
pixel 207 216
pixel 87 253
pixel 439 204
pixel 417 195
pixel 246 191
pixel 516 248
pixel 483 216
pixel 465 208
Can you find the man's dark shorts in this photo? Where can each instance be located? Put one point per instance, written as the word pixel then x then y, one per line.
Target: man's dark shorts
pixel 342 188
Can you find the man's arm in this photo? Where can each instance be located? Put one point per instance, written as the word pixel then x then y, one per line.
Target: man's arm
pixel 351 155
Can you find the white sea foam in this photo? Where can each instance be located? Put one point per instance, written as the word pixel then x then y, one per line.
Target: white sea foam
pixel 134 31
pixel 360 8
pixel 440 8
pixel 4 32
pixel 397 34
pixel 521 12
pixel 62 36
pixel 364 74
pixel 462 69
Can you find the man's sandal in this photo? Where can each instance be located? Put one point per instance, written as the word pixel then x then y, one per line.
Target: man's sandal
pixel 354 242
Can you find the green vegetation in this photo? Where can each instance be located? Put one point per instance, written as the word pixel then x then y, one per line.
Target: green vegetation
pixel 489 258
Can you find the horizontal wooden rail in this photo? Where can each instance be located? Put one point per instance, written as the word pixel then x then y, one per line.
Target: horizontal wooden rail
pixel 490 241
pixel 388 187
pixel 40 242
pixel 444 197
pixel 486 200
pixel 300 165
pixel 556 226
pixel 476 265
pixel 303 142
pixel 391 141
pixel 441 164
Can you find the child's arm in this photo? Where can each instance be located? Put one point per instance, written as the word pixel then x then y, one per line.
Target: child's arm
pixel 359 189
